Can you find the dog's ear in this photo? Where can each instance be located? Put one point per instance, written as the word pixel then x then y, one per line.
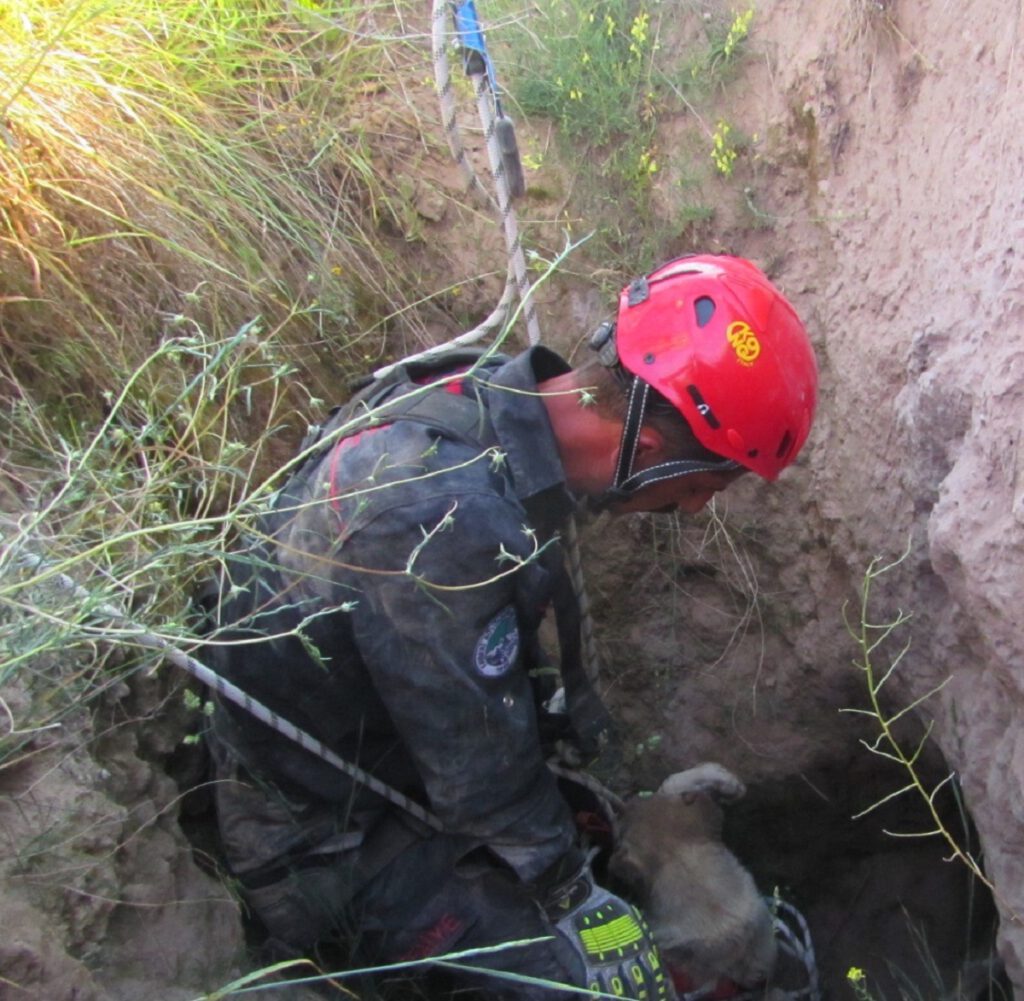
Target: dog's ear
pixel 710 778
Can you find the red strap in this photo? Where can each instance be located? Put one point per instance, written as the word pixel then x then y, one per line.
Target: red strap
pixel 332 477
pixel 684 984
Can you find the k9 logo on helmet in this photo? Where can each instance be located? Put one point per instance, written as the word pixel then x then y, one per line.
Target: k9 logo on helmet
pixel 744 342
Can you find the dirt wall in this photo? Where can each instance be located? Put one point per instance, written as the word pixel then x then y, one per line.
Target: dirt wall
pixel 885 179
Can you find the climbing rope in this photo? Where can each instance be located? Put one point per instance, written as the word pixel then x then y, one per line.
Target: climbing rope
pixel 503 156
pixel 507 179
pixel 143 637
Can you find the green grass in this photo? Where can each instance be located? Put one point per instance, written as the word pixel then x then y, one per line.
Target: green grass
pixel 611 74
pixel 183 162
pixel 197 251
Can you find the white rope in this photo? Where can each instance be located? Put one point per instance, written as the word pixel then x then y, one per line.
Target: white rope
pixel 518 279
pixel 449 115
pixel 485 96
pixel 144 638
pixel 509 221
pixel 498 317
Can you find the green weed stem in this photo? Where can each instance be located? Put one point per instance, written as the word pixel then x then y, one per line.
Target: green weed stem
pixel 869 636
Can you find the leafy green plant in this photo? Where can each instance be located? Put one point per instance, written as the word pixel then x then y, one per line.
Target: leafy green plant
pixel 137 504
pixel 610 73
pixel 726 44
pixel 596 74
pixel 723 149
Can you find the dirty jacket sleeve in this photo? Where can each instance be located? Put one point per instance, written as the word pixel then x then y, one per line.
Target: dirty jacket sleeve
pixel 450 582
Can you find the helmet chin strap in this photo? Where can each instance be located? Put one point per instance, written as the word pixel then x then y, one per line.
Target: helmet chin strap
pixel 627 483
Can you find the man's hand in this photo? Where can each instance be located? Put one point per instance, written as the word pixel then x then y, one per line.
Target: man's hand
pixel 612 939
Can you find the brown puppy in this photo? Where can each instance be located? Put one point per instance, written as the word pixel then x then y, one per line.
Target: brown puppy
pixel 703 907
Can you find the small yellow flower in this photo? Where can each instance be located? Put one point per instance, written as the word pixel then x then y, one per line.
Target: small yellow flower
pixel 638 29
pixel 738 30
pixel 855 974
pixel 723 153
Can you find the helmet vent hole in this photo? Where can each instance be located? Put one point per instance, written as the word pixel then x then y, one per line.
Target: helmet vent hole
pixel 702 407
pixel 784 446
pixel 704 307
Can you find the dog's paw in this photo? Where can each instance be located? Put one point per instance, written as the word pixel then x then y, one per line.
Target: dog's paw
pixel 709 777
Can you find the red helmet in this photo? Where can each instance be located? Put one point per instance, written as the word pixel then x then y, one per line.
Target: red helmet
pixel 720 342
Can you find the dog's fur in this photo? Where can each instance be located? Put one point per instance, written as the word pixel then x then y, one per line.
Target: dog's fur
pixel 704 911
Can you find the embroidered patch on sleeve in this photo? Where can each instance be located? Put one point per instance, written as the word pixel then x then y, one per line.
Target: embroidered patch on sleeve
pixel 498 646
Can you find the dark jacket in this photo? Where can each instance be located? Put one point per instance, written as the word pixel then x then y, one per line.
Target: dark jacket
pixel 418 566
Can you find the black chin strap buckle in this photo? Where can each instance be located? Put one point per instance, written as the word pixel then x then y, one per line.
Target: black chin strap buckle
pixel 602 341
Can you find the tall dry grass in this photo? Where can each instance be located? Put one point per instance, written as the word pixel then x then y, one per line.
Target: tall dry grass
pixel 198 248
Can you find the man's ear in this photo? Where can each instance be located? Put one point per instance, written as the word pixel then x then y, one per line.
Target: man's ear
pixel 650 441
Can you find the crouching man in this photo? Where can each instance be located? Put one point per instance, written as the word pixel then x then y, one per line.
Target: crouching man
pixel 389 606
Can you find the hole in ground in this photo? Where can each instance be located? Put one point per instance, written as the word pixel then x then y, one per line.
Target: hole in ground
pixel 921 928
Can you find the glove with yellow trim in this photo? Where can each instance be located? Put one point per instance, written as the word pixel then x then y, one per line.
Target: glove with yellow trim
pixel 612 938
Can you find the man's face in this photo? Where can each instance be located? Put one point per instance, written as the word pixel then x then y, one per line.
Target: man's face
pixel 688 494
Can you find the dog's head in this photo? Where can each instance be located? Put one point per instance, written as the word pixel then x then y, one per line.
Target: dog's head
pixel 685 809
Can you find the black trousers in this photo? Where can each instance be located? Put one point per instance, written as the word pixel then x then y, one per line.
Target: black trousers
pixel 427 902
pixel 400 896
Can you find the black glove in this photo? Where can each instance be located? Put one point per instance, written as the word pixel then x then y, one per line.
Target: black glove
pixel 611 938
